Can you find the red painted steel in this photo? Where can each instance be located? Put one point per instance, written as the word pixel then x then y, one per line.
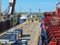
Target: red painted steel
pixel 57 11
pixel 51 23
pixel 52 43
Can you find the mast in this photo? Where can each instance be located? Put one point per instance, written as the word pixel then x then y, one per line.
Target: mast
pixel 58 8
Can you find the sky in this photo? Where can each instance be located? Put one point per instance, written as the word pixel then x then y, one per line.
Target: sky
pixel 25 5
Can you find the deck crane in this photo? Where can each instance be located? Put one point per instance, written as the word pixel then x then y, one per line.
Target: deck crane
pixel 11 11
pixel 6 20
pixel 11 6
pixel 8 14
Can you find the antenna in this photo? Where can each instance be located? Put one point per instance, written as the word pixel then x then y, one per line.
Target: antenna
pixel 30 11
pixel 39 10
pixel 58 8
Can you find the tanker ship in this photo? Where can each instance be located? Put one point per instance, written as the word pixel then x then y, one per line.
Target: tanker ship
pixel 51 27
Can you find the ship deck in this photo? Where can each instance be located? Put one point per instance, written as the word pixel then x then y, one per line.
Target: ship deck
pixel 31 31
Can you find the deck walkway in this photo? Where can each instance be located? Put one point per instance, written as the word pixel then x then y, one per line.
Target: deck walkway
pixel 30 28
